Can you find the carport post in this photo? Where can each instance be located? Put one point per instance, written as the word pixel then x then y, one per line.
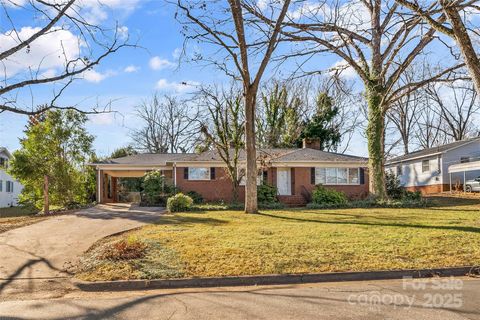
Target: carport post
pixel 450 176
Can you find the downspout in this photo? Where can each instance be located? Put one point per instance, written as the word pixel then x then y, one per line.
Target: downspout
pixel 175 175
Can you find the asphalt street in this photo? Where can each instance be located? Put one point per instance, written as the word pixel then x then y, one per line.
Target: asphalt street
pixel 440 298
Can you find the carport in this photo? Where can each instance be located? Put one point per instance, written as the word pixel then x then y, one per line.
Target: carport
pixel 108 175
pixel 466 169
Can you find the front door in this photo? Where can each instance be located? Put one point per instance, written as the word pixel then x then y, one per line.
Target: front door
pixel 284 181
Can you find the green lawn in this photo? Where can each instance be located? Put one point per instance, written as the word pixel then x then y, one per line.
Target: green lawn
pixel 221 243
pixel 15 217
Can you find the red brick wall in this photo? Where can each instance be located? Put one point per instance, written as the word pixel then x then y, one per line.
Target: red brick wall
pixel 433 188
pixel 303 178
pixel 221 187
pixel 212 190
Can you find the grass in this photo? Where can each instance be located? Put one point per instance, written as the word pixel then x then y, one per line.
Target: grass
pixel 16 217
pixel 222 243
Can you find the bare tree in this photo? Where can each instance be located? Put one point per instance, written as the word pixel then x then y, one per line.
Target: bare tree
pixel 169 125
pixel 375 40
pixel 456 105
pixel 428 132
pixel 446 17
pixel 242 51
pixel 405 112
pixel 227 129
pixel 82 44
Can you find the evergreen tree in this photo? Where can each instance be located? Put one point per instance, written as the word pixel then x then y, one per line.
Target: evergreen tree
pixel 321 126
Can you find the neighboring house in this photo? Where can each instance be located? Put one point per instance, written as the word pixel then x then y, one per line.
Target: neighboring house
pixel 294 172
pixel 9 187
pixel 428 170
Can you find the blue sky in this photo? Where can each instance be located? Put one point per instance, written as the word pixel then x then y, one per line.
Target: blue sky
pixel 133 75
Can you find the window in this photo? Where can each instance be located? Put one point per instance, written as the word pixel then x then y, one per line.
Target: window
pixel 1 185
pixel 425 165
pixel 320 177
pixel 3 162
pixel 198 173
pixel 9 186
pixel 241 172
pixel 342 174
pixel 353 176
pixel 337 176
pixel 464 159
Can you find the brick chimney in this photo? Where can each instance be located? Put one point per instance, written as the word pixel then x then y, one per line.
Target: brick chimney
pixel 311 143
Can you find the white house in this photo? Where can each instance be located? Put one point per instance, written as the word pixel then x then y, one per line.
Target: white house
pixel 428 170
pixel 9 187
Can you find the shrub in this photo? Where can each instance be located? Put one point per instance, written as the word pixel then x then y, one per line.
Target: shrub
pixel 393 187
pixel 125 249
pixel 155 189
pixel 322 195
pixel 179 202
pixel 412 195
pixel 196 197
pixel 267 194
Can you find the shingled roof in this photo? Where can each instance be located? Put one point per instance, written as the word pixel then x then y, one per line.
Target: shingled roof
pixel 273 154
pixel 435 150
pixel 146 159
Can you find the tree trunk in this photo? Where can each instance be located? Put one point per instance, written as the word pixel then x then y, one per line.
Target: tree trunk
pixel 46 205
pixel 376 143
pixel 251 172
pixel 235 192
pixel 464 43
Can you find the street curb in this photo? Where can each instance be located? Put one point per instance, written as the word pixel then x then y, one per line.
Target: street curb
pixel 129 285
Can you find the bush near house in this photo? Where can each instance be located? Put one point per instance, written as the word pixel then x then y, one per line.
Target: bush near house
pixel 395 190
pixel 325 196
pixel 196 197
pixel 179 202
pixel 156 190
pixel 267 194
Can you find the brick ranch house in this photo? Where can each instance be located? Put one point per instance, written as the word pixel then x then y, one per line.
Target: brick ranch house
pixel 294 172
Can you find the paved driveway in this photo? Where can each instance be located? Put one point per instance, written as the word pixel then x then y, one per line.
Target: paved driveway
pixel 47 250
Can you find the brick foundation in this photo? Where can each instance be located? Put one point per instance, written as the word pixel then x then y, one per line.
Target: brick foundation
pixel 430 189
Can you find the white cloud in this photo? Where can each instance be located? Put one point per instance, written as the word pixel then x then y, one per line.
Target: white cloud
pixel 176 53
pixel 102 118
pixel 131 68
pixel 96 77
pixel 343 69
pixel 262 4
pixel 47 52
pixel 180 87
pixel 157 63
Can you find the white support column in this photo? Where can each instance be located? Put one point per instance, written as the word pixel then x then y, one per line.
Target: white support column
pixel 464 181
pixel 99 185
pixel 450 176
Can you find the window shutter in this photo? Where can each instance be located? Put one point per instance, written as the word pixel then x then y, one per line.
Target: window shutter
pixel 212 173
pixel 312 176
pixel 185 173
pixel 362 176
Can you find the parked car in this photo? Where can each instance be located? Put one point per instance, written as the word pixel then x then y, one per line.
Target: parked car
pixel 473 185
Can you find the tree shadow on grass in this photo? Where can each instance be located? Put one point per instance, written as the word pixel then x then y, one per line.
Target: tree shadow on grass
pixel 189 220
pixel 380 224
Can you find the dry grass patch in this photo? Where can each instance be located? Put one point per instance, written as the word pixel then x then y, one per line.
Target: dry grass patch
pixel 222 243
pixel 16 217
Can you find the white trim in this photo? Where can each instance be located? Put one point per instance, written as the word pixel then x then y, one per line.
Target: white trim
pixel 467 166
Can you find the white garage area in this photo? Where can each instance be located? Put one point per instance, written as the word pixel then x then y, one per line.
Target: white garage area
pixel 461 172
